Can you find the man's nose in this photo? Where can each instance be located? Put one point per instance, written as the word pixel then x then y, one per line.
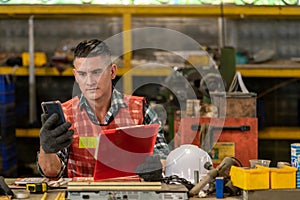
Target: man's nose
pixel 89 79
pixel 92 78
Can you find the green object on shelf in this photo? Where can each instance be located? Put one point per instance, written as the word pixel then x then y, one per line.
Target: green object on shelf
pixel 227 65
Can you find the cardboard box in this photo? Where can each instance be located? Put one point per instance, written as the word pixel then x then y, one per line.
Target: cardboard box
pixel 235 104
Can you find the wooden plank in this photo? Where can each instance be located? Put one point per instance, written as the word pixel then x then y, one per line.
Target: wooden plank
pixel 130 186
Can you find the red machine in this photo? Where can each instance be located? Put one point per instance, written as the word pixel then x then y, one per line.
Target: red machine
pixel 236 137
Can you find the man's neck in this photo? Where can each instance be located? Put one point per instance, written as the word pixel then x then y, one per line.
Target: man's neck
pixel 101 106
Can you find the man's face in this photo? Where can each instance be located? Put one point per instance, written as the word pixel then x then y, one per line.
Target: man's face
pixel 94 75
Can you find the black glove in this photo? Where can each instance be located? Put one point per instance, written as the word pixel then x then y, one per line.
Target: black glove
pixel 151 169
pixel 52 138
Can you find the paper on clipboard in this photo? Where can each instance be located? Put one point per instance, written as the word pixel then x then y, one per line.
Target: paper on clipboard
pixel 120 151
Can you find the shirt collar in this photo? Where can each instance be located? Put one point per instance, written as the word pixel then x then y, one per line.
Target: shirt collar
pixel 116 100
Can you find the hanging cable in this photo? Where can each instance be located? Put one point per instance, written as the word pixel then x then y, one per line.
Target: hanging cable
pixel 222 23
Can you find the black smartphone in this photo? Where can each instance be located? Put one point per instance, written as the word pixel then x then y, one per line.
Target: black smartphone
pixel 50 107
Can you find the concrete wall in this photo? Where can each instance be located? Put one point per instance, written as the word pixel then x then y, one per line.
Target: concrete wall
pixel 282 36
pixel 249 35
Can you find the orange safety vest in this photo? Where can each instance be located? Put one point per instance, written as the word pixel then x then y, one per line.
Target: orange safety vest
pixel 81 160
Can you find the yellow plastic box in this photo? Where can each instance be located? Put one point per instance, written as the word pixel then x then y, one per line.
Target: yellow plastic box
pixel 283 178
pixel 250 179
pixel 40 59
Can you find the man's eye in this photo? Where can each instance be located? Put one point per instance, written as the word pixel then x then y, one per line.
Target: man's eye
pixel 98 72
pixel 81 73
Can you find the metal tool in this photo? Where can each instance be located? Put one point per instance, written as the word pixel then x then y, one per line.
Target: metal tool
pixel 197 127
pixel 220 170
pixel 37 187
pixel 4 189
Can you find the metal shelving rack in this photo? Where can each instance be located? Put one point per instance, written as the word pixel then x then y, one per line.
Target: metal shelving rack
pixel 127 12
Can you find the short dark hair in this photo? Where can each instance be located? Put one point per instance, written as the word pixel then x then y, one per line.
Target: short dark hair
pixel 91 48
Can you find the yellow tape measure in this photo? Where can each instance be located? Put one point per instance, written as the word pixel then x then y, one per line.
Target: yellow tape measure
pixel 37 187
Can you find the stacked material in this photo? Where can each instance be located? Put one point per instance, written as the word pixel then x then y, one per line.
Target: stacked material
pixel 295 160
pixel 8 150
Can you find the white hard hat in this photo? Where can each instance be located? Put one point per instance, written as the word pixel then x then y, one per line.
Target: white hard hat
pixel 185 160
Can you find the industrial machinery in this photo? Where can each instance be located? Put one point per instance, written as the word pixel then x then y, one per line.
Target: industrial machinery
pixel 189 82
pixel 222 170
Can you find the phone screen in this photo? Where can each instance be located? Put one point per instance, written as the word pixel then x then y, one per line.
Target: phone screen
pixel 50 107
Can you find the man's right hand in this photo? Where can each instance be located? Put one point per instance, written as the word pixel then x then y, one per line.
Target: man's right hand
pixel 55 138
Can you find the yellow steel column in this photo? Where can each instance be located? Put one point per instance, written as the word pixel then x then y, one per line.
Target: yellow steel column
pixel 127 53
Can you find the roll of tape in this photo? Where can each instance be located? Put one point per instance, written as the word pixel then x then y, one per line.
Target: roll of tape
pixel 22 194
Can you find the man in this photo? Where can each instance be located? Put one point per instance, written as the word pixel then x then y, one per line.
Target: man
pixel 99 106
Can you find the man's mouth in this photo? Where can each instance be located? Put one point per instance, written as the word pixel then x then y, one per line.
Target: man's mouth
pixel 91 89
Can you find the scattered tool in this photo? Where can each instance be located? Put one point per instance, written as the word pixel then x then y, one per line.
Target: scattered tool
pixel 4 189
pixel 37 187
pixel 222 170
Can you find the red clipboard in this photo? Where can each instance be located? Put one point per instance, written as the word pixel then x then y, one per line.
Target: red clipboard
pixel 120 151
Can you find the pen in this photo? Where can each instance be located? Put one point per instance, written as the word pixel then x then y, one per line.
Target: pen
pixel 60 196
pixel 44 197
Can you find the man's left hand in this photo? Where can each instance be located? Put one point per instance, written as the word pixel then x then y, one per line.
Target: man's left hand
pixel 151 169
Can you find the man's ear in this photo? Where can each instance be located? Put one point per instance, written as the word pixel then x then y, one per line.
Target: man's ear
pixel 113 71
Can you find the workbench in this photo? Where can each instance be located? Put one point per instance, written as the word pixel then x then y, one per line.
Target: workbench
pixel 247 195
pixel 52 194
pixel 275 194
